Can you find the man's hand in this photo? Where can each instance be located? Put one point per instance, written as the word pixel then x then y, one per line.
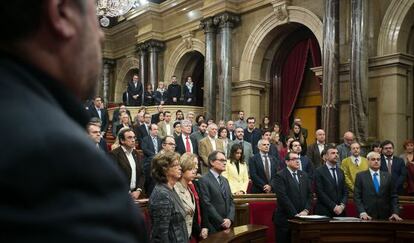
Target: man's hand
pixel 338 209
pixel 135 194
pixel 303 213
pixel 204 233
pixel 365 216
pixel 267 188
pixel 174 99
pixel 395 217
pixel 135 96
pixel 226 223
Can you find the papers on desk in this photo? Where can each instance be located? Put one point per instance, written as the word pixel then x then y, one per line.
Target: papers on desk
pixel 315 217
pixel 347 219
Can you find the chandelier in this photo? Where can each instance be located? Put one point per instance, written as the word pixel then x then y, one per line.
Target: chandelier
pixel 115 8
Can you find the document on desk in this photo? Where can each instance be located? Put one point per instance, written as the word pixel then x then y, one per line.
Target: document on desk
pixel 348 219
pixel 314 217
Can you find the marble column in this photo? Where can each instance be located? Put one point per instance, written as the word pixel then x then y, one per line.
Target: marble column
pixel 210 69
pixel 358 104
pixel 107 68
pixel 330 105
pixel 225 22
pixel 143 63
pixel 154 47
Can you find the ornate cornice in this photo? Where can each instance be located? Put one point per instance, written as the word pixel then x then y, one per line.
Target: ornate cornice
pixel 151 46
pixel 280 9
pixel 226 20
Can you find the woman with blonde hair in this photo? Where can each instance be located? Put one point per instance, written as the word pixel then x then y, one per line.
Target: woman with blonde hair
pixel 236 170
pixel 188 194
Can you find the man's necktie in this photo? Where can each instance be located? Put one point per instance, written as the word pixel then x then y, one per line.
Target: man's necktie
pixel 389 164
pixel 376 183
pixel 267 170
pixel 187 145
pixel 222 187
pixel 334 174
pixel 356 161
pixel 295 175
pixel 154 141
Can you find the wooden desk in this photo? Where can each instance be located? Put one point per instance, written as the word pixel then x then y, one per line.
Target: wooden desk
pixel 240 234
pixel 355 232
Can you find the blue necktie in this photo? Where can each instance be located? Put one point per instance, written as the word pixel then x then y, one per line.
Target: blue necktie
pixel 376 183
pixel 222 187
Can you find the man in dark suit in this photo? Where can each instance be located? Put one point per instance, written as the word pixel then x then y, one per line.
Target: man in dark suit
pixel 57 186
pixel 97 110
pixel 151 145
pixel 216 197
pixel 127 159
pixel 184 142
pixel 314 150
pixel 331 189
pixel 142 131
pixel 305 164
pixel 374 194
pixel 135 91
pixel 94 132
pixel 230 128
pixel 262 168
pixel 294 196
pixel 174 92
pixel 394 165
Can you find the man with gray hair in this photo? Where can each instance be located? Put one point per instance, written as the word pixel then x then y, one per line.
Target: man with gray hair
pixel 208 145
pixel 263 168
pixel 344 149
pixel 184 142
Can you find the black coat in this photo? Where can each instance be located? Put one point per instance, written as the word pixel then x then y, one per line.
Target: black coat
pixel 70 181
pixel 148 98
pixel 135 90
pixel 174 90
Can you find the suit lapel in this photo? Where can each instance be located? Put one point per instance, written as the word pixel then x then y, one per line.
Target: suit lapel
pixel 126 162
pixel 328 174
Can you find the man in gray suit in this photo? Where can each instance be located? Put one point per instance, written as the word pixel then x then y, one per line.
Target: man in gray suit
pixel 216 198
pixel 247 147
pixel 375 195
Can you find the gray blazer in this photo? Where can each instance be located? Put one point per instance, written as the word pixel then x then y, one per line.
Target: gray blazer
pixel 216 206
pixel 247 149
pixel 167 216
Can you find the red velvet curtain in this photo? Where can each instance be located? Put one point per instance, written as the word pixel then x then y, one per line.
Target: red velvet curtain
pixel 316 57
pixel 292 75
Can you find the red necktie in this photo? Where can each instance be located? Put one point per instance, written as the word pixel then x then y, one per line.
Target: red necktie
pixel 187 145
pixel 197 201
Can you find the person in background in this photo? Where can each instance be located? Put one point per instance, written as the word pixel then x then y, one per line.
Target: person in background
pixel 97 110
pixel 314 150
pixel 50 60
pixel 252 134
pixel 278 131
pixel 94 132
pixel 188 194
pixel 135 91
pixel 151 145
pixel 376 147
pixel 117 113
pixel 236 171
pixel 160 95
pixel 168 144
pixel 189 92
pixel 303 130
pixel 394 165
pixel 247 147
pixel 155 118
pixel 124 122
pixel 384 205
pixel 197 120
pixel 177 129
pixel 352 165
pixel 165 207
pixel 222 135
pixel 207 145
pixel 200 133
pixel 344 148
pixel 408 155
pixel 230 129
pixel 240 122
pixel 265 125
pixel 296 133
pixel 174 92
pixel 149 96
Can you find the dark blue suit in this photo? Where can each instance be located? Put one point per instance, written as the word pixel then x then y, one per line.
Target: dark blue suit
pixel 307 166
pixel 398 172
pixel 148 149
pixel 180 146
pixel 257 172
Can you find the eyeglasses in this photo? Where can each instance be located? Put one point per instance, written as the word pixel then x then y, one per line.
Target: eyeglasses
pixel 222 160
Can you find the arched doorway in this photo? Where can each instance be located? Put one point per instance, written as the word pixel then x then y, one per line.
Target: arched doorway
pixel 192 64
pixel 295 91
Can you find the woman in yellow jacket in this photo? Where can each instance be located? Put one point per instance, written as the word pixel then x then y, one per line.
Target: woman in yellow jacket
pixel 236 170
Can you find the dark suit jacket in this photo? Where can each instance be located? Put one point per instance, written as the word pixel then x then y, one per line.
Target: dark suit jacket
pixel 103 145
pixel 174 90
pixel 291 199
pixel 216 206
pixel 158 97
pixel 329 193
pixel 180 146
pixel 257 172
pixel 70 181
pixel 132 90
pixel 378 206
pixel 307 166
pixel 398 172
pixel 141 133
pixel 148 98
pixel 253 138
pixel 120 158
pixel 104 117
pixel 149 153
pixel 314 155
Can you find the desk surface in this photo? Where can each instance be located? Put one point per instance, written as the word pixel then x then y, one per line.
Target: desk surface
pixel 244 233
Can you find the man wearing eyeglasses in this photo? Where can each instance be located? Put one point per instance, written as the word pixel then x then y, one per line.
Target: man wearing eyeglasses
pixel 216 196
pixel 294 196
pixel 127 159
pixel 375 195
pixel 168 144
pixel 263 168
